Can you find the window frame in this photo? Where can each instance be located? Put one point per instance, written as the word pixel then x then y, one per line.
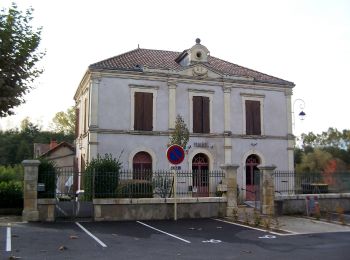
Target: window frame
pixel 145 89
pixel 253 97
pixel 201 93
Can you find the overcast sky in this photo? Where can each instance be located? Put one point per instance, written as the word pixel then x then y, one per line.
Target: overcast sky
pixel 306 42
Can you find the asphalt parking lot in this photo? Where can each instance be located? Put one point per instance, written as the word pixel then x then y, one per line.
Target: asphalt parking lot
pixel 182 239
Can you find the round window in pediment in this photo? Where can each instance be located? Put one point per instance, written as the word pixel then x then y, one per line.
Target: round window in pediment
pixel 199 55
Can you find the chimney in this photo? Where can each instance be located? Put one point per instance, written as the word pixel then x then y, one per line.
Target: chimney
pixel 53 144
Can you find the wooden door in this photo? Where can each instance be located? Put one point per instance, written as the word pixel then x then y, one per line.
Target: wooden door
pixel 200 177
pixel 252 177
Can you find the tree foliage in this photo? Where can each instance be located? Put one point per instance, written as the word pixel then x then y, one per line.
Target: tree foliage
pixel 16 145
pixel 102 177
pixel 327 151
pixel 19 55
pixel 181 135
pixel 330 138
pixel 64 121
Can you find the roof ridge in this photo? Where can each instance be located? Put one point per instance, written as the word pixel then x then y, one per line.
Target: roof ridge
pixel 253 70
pixel 167 59
pixel 124 53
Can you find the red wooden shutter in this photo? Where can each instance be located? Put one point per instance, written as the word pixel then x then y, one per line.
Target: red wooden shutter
pixel 147 111
pixel 197 114
pixel 85 115
pixel 248 117
pixel 143 111
pixel 205 117
pixel 138 108
pixel 253 122
pixel 256 118
pixel 77 123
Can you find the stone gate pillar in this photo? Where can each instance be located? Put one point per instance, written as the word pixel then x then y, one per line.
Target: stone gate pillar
pixel 30 193
pixel 267 190
pixel 230 180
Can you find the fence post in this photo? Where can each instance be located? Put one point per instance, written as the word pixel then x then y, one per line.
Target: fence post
pixel 230 180
pixel 267 189
pixel 30 193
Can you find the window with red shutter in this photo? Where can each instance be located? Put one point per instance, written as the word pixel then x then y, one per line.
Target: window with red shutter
pixel 143 111
pixel 253 120
pixel 77 123
pixel 201 118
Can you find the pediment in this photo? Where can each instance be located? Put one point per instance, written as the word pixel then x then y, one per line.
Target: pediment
pixel 199 71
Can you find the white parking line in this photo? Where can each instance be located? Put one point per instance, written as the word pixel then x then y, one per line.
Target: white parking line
pixel 8 239
pixel 259 229
pixel 166 233
pixel 91 235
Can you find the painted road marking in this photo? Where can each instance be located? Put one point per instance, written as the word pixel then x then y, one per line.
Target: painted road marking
pixel 161 231
pixel 91 235
pixel 259 229
pixel 268 236
pixel 214 241
pixel 61 210
pixel 8 239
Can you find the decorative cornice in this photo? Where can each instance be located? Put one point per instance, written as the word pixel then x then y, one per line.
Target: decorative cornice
pixel 143 86
pixel 167 133
pixel 252 95
pixel 201 90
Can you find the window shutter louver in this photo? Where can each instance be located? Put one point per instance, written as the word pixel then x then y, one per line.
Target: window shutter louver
pixel 253 122
pixel 256 118
pixel 77 111
pixel 205 117
pixel 143 111
pixel 147 111
pixel 197 114
pixel 138 111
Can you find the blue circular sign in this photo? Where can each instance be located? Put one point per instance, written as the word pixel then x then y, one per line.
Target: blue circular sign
pixel 175 154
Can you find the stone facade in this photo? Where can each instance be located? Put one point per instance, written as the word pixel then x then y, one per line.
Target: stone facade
pixel 105 102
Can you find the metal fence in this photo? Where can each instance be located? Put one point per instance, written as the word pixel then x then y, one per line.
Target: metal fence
pixel 130 184
pixel 311 183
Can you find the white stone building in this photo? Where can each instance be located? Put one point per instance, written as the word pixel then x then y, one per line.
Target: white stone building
pixel 127 105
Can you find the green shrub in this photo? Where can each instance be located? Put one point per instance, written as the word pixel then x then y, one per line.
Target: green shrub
pixel 11 194
pixel 101 177
pixel 47 175
pixel 11 173
pixel 135 189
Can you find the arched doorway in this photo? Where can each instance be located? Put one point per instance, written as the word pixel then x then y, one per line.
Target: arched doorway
pixel 200 175
pixel 142 166
pixel 252 177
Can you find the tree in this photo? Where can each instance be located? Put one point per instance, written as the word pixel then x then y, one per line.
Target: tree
pixel 64 121
pixel 19 55
pixel 315 161
pixel 330 138
pixel 181 134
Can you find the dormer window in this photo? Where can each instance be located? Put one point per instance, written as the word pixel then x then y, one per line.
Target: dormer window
pixel 198 53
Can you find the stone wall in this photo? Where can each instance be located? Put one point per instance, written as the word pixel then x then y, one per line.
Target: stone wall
pixel 46 208
pixel 151 209
pixel 296 204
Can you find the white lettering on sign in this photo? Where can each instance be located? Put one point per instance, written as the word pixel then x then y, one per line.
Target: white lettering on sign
pixel 203 145
pixel 214 241
pixel 268 236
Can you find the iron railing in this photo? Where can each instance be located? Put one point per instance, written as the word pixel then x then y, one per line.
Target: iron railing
pixel 63 183
pixel 311 183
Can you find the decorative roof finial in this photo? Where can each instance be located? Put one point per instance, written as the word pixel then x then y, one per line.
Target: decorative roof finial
pixel 198 41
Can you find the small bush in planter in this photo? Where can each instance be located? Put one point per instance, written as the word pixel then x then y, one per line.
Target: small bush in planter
pixel 135 189
pixel 11 195
pixel 101 177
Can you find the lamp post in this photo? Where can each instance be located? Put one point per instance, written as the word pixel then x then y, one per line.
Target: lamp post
pixel 301 114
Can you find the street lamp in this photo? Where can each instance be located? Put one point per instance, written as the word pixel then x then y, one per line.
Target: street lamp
pixel 302 114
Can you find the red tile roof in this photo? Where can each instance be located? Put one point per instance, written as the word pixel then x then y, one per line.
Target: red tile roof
pixel 157 59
